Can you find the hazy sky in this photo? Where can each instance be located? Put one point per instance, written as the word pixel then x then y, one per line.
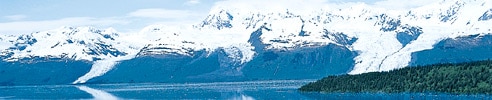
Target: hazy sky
pixel 26 16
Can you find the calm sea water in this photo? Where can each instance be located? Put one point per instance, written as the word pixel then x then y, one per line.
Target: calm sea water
pixel 275 89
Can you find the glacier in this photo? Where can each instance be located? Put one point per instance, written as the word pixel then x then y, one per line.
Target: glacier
pixel 238 42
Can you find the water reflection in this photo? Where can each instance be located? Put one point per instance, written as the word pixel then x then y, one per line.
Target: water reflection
pixel 242 97
pixel 166 93
pixel 242 91
pixel 234 95
pixel 7 97
pixel 262 90
pixel 98 94
pixel 161 92
pixel 42 92
pixel 277 89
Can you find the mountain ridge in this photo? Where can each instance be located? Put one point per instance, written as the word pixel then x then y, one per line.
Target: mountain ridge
pixel 382 39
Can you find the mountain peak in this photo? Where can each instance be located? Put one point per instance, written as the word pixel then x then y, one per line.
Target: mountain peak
pixel 78 43
pixel 376 34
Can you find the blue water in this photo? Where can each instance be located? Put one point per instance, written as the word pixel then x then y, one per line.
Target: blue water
pixel 274 89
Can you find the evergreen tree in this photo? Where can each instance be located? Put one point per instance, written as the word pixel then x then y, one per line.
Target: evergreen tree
pixel 469 78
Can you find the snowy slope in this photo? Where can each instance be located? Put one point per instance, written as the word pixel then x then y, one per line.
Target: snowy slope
pixel 376 30
pixel 6 42
pixel 184 40
pixel 383 39
pixel 69 43
pixel 81 43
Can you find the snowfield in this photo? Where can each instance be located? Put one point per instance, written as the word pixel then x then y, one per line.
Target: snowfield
pixel 383 38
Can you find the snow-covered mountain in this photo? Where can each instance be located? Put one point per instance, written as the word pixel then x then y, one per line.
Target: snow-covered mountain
pixel 81 43
pixel 384 39
pixel 234 40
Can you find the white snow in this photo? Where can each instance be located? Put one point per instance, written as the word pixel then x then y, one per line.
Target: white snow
pixel 66 42
pixel 100 67
pixel 56 43
pixel 378 50
pixel 4 42
pixel 242 53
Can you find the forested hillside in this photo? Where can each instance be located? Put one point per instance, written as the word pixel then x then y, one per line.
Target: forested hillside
pixel 463 78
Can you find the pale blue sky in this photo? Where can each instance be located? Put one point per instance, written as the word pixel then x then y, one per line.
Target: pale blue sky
pixel 26 16
pixel 56 9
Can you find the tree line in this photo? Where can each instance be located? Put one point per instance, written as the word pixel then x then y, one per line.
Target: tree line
pixel 462 78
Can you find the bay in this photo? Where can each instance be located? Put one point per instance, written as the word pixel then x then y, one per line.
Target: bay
pixel 251 90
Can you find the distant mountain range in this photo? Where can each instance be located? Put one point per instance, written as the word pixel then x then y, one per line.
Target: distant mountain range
pixel 235 43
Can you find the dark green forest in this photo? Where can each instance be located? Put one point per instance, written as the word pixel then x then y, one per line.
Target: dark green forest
pixel 462 78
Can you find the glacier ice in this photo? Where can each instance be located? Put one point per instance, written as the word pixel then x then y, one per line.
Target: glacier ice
pixel 384 39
